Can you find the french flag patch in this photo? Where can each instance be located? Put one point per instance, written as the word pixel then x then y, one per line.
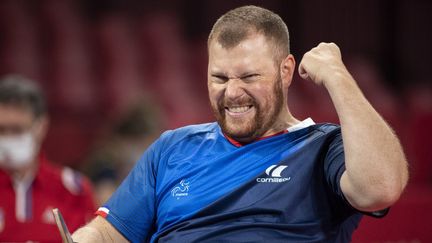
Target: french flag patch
pixel 102 211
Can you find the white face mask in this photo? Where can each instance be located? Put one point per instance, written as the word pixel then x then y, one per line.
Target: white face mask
pixel 17 151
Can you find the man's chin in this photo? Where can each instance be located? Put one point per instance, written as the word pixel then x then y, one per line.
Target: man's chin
pixel 240 135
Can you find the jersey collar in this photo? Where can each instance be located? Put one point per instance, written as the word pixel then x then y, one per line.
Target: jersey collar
pixel 303 124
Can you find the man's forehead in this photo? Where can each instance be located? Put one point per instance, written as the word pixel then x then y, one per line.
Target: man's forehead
pixel 254 44
pixel 253 51
pixel 250 35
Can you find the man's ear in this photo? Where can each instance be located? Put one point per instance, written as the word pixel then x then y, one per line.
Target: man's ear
pixel 287 68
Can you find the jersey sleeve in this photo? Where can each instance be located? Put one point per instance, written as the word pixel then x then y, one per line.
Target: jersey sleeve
pixel 131 208
pixel 334 164
pixel 334 167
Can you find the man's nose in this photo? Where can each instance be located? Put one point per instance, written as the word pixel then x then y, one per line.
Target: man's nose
pixel 234 89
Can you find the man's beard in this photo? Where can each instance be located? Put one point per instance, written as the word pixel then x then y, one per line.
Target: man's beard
pixel 262 120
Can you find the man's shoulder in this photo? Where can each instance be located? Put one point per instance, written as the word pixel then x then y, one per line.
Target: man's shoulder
pixel 197 128
pixel 190 131
pixel 327 128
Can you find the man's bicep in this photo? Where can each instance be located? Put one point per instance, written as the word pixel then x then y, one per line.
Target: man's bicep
pixel 109 230
pixel 349 194
pixel 348 190
pixel 98 230
pixel 336 174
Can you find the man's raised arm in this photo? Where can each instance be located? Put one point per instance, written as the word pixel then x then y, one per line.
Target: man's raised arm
pixel 376 168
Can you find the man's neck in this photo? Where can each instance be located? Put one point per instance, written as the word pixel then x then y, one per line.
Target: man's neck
pixel 286 121
pixel 277 129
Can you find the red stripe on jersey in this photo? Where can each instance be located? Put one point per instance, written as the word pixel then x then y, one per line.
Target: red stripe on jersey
pixel 101 213
pixel 238 144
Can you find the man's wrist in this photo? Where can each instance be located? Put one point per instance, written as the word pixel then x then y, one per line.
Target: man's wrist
pixel 338 79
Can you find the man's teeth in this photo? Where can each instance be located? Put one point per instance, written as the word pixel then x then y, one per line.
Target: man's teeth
pixel 238 109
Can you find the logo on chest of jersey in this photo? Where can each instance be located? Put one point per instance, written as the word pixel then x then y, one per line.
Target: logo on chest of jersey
pixel 275 175
pixel 181 190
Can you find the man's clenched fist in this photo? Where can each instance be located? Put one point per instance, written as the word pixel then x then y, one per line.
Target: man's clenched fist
pixel 322 64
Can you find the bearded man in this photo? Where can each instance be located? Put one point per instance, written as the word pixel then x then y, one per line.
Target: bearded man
pixel 259 174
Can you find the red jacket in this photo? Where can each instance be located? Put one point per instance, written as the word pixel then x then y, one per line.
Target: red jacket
pixel 25 214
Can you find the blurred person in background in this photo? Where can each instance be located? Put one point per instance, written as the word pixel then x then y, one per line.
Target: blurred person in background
pixel 115 153
pixel 30 185
pixel 258 174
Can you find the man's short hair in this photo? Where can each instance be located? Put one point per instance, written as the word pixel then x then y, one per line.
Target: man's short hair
pixel 236 25
pixel 19 91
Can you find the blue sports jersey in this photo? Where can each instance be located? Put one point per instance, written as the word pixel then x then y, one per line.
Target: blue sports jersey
pixel 193 185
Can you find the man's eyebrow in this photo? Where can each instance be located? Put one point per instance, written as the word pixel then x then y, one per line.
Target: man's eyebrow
pixel 218 74
pixel 251 73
